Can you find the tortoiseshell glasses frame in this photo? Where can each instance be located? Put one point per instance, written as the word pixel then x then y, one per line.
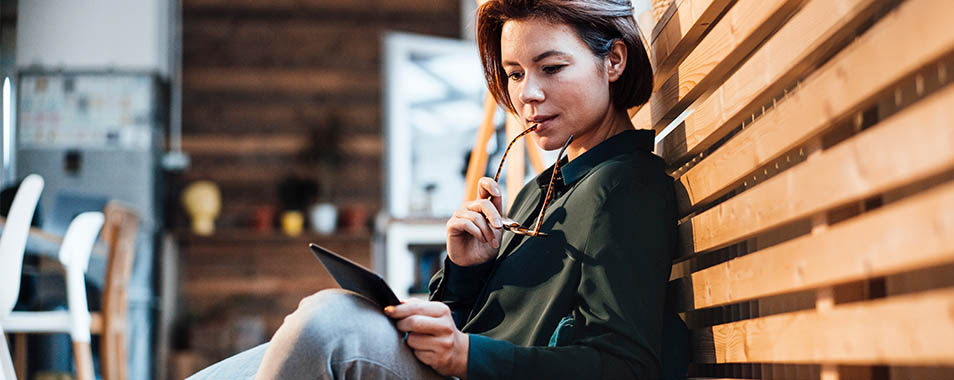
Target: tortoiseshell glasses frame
pixel 515 227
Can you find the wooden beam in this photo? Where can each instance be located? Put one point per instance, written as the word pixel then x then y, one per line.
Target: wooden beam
pixel 913 233
pixel 910 146
pixel 293 81
pixel 477 165
pixel 244 144
pixel 835 91
pixel 734 36
pixel 680 28
pixel 729 105
pixel 517 164
pixel 914 329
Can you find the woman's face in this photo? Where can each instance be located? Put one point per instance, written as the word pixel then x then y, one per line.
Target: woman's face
pixel 554 80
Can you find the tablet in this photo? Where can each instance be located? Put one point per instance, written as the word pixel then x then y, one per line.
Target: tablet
pixel 356 278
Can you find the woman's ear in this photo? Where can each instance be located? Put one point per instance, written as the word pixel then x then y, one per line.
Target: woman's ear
pixel 616 60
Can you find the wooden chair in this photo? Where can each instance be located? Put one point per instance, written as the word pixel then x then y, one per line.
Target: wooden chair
pixel 812 144
pixel 119 232
pixel 74 255
pixel 12 246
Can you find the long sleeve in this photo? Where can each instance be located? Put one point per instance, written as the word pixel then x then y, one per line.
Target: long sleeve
pixel 458 287
pixel 621 293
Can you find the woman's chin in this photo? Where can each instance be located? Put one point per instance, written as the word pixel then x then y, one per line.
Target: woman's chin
pixel 549 143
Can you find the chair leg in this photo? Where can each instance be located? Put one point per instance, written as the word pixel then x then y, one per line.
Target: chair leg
pixel 6 363
pixel 84 361
pixel 113 351
pixel 20 362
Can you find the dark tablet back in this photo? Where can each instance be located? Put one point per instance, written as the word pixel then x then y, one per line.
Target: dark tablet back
pixel 356 278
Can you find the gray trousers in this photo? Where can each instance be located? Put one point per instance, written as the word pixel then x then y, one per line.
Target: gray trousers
pixel 334 334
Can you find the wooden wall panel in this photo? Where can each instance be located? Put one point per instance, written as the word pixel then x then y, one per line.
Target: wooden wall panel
pixel 264 84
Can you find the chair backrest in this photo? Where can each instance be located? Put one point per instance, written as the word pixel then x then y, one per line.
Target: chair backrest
pixel 79 240
pixel 119 232
pixel 812 145
pixel 13 240
pixel 74 255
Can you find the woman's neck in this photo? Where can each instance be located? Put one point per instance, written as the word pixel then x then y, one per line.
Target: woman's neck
pixel 615 122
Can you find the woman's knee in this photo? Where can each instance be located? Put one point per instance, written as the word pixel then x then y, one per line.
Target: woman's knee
pixel 335 311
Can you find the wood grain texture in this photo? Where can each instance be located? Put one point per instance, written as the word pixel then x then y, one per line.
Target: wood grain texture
pixel 912 329
pixel 917 232
pixel 734 36
pixel 834 91
pixel 728 106
pixel 679 30
pixel 873 161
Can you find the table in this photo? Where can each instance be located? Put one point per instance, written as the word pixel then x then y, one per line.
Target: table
pixel 47 244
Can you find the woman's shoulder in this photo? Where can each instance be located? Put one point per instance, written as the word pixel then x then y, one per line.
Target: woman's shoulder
pixel 632 171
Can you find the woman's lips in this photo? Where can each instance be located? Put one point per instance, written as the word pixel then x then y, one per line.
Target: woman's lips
pixel 541 121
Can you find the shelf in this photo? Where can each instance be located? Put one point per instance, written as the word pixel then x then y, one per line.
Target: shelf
pixel 245 236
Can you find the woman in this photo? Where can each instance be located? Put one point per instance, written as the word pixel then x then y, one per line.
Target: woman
pixel 584 301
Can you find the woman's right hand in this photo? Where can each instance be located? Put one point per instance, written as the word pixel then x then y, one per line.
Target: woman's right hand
pixel 473 233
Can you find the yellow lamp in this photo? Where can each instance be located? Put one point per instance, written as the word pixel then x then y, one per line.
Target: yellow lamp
pixel 203 201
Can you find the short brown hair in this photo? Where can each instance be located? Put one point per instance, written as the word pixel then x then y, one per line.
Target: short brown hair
pixel 598 23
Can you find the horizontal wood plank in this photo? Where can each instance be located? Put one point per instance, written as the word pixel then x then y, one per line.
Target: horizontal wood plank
pixel 296 81
pixel 404 6
pixel 728 106
pixel 222 144
pixel 914 233
pixel 680 29
pixel 735 35
pixel 834 91
pixel 914 329
pixel 912 145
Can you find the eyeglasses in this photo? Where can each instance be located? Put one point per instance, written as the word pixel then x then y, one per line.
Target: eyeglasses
pixel 516 227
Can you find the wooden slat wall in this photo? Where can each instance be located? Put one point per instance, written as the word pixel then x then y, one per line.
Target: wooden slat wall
pixel 816 185
pixel 261 81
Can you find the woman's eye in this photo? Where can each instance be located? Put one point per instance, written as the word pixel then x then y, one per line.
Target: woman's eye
pixel 515 75
pixel 552 69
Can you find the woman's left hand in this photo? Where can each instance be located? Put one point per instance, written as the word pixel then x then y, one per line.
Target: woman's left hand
pixel 432 335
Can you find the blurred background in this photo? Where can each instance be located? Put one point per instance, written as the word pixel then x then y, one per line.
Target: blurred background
pixel 236 132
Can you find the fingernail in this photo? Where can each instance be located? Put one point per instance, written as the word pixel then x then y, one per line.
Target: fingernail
pixel 389 309
pixel 494 243
pixel 497 191
pixel 498 223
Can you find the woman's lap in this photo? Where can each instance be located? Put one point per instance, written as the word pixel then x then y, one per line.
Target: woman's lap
pixel 334 334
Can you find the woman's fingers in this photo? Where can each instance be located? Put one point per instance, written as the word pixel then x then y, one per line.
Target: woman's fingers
pixel 486 233
pixel 465 225
pixel 423 324
pixel 427 308
pixel 490 211
pixel 488 189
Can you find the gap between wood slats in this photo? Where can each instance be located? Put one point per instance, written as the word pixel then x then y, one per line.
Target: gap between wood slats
pixel 680 28
pixel 744 26
pixel 909 234
pixel 915 144
pixel 848 83
pixel 734 102
pixel 913 329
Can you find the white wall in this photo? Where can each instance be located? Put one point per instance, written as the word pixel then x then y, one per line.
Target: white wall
pixel 94 34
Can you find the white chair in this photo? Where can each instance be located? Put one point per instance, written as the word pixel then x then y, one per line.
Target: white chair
pixel 12 245
pixel 74 255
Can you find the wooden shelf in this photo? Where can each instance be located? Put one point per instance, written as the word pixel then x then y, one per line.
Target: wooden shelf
pixel 248 235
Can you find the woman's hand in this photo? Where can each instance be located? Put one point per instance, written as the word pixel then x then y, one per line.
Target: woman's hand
pixel 473 233
pixel 432 335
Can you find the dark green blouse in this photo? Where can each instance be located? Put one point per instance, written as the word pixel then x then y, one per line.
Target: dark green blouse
pixel 603 268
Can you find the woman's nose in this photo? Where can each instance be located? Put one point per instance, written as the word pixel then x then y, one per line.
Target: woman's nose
pixel 531 92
